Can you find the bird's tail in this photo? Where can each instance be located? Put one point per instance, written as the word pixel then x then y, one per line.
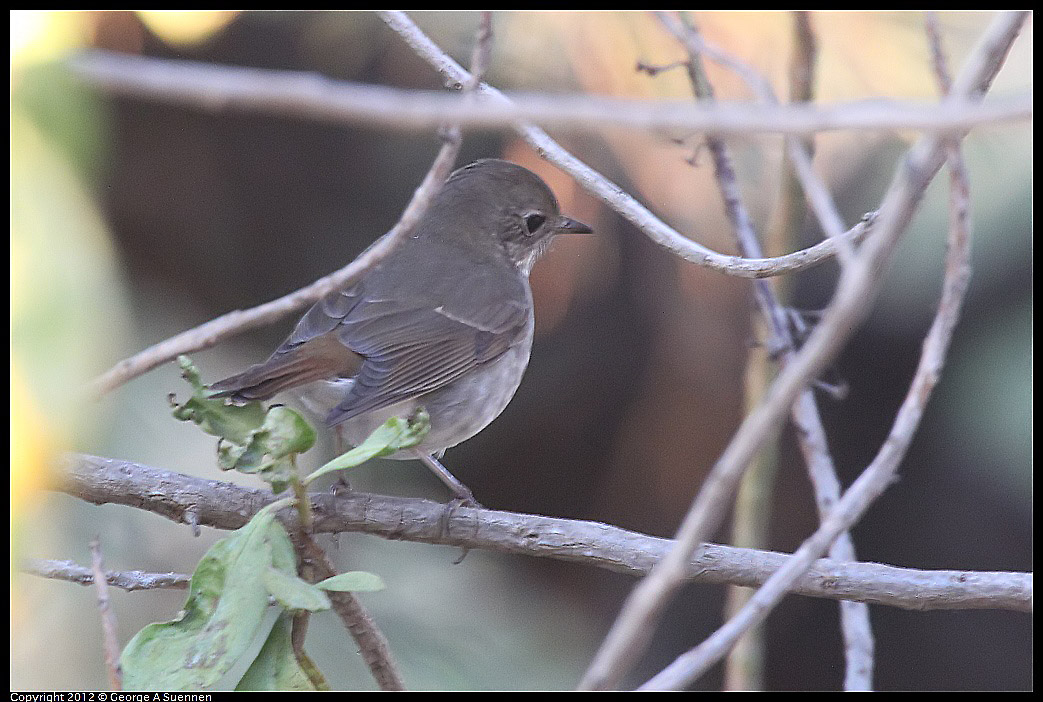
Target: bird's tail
pixel 265 380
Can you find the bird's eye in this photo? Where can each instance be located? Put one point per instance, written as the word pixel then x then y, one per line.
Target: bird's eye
pixel 533 222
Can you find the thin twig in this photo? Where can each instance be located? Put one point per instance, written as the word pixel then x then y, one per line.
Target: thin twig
pixel 108 618
pixel 227 506
pixel 855 625
pixel 298 631
pixel 610 193
pixel 238 321
pixel 983 63
pixel 738 215
pixel 744 669
pixel 780 342
pixel 811 434
pixel 857 287
pixel 129 580
pixel 938 60
pixel 815 190
pixel 750 528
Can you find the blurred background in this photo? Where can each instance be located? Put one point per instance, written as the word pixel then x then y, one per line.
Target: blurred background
pixel 132 220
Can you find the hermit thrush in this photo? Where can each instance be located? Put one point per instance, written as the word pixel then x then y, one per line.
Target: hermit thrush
pixel 444 323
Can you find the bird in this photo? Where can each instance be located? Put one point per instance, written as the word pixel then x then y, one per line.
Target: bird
pixel 445 322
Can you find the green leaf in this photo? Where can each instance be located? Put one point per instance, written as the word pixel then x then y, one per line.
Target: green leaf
pixel 287 432
pixel 293 593
pixel 391 436
pixel 276 667
pixel 226 607
pixel 284 558
pixel 353 581
pixel 233 423
pixel 253 440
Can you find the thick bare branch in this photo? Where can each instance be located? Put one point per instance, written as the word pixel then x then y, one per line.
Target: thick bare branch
pixel 226 506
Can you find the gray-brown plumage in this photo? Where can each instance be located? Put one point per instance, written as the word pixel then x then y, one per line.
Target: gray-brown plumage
pixel 444 322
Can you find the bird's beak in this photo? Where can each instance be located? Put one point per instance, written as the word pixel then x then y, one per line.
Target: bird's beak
pixel 571 226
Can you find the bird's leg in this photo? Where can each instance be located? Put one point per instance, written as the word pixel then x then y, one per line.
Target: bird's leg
pixel 340 445
pixel 462 492
pixel 464 496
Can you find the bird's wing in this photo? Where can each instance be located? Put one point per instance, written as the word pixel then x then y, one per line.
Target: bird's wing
pixel 409 349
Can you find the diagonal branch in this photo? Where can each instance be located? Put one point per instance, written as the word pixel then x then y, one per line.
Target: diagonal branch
pixel 811 434
pixel 880 472
pixel 214 331
pixel 858 285
pixel 373 645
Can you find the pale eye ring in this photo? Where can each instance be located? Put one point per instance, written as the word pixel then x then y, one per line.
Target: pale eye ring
pixel 533 222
